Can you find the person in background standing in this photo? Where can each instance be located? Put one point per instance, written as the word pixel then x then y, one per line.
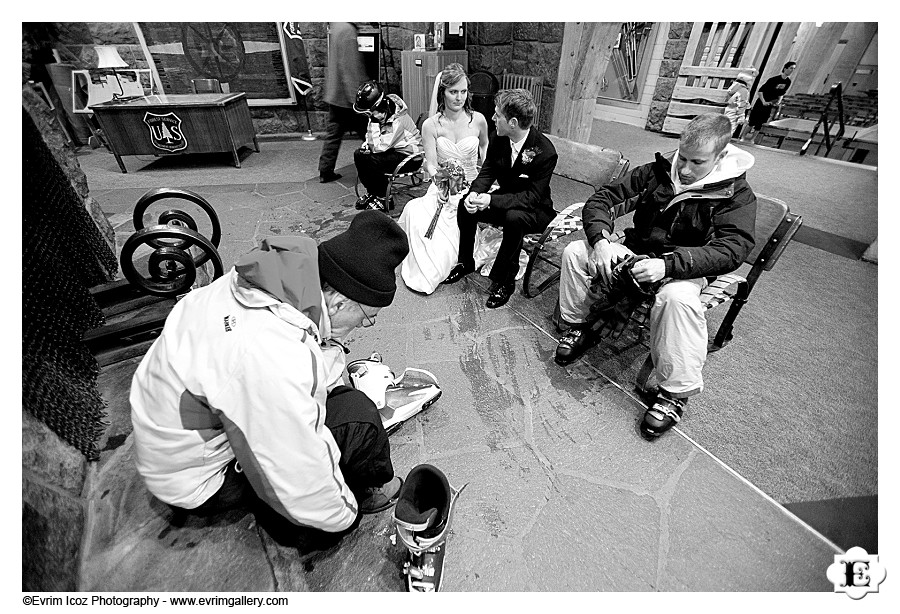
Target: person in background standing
pixel 343 75
pixel 767 97
pixel 738 101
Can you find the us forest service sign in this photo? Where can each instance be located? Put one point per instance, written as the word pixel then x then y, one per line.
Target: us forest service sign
pixel 165 131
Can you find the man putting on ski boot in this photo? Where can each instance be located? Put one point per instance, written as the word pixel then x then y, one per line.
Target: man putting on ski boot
pixel 397 398
pixel 693 210
pixel 241 399
pixel 422 516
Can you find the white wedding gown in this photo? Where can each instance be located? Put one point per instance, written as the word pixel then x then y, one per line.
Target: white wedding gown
pixel 430 260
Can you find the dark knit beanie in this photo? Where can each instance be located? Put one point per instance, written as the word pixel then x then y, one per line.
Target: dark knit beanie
pixel 360 262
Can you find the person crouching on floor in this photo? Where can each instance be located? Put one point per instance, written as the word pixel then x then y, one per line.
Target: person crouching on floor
pixel 241 399
pixel 694 216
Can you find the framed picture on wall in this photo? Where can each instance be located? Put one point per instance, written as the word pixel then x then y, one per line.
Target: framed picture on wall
pixel 244 57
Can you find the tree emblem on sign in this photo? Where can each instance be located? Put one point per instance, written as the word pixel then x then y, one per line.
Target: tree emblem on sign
pixel 165 131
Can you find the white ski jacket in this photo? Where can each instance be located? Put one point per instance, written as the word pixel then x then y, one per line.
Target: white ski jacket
pixel 240 370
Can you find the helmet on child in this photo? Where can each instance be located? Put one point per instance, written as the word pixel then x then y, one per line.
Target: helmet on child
pixel 369 97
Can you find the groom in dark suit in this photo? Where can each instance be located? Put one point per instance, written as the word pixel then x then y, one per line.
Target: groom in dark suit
pixel 521 160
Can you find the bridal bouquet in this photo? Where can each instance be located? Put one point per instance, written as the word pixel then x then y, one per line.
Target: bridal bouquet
pixel 450 179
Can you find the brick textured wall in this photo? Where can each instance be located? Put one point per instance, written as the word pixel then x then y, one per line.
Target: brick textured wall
pixel 526 48
pixel 673 55
pixel 529 48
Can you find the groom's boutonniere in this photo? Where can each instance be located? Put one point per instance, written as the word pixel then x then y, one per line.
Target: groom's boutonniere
pixel 529 154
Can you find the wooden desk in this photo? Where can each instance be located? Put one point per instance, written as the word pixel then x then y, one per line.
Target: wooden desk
pixel 177 124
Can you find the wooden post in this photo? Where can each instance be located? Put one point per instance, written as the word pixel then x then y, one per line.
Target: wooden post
pixel 756 45
pixel 782 49
pixel 585 56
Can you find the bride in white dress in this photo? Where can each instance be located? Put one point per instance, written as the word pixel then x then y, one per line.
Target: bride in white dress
pixel 455 132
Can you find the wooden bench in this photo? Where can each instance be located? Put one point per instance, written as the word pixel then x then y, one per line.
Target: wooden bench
pixel 588 164
pixel 858 110
pixel 775 227
pixel 699 90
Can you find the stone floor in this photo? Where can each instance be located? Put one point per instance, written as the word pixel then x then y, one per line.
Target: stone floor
pixel 561 493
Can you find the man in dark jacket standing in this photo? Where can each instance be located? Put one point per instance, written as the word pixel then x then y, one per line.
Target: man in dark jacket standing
pixel 521 160
pixel 694 216
pixel 343 75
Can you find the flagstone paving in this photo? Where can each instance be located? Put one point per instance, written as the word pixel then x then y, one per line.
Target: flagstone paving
pixel 561 493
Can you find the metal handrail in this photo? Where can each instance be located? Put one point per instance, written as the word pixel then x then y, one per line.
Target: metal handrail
pixel 836 94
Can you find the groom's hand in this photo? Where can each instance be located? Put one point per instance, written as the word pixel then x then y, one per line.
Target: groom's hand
pixel 477 202
pixel 470 202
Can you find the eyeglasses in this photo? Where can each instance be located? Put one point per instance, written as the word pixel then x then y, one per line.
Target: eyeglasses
pixel 370 320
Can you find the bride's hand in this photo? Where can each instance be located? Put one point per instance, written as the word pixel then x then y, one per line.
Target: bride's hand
pixel 443 191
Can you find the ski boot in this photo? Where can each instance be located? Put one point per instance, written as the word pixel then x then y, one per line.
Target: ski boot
pixel 364 201
pixel 421 517
pixel 397 399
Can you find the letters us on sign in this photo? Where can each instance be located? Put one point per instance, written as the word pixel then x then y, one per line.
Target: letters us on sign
pixel 165 131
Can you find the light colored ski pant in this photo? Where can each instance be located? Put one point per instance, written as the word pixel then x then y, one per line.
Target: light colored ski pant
pixel 678 335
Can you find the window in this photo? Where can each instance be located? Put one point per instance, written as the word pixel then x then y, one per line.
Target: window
pixel 244 57
pixel 624 74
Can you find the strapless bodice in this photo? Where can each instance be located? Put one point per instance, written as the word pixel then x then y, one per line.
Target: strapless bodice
pixel 465 151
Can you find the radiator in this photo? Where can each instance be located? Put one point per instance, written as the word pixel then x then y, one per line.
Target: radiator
pixel 535 85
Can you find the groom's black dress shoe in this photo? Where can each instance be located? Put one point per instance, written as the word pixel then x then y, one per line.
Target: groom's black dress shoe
pixel 500 294
pixel 457 272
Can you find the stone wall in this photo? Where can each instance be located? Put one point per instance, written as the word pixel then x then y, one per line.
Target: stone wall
pixel 673 55
pixel 397 37
pixel 53 511
pixel 526 48
pixel 53 471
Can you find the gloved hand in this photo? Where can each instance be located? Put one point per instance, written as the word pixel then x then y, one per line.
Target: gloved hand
pixel 624 279
pixel 613 303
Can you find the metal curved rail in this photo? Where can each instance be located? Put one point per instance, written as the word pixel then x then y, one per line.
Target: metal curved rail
pixel 172 269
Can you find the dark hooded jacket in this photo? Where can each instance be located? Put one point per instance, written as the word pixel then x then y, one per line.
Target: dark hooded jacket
pixel 704 231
